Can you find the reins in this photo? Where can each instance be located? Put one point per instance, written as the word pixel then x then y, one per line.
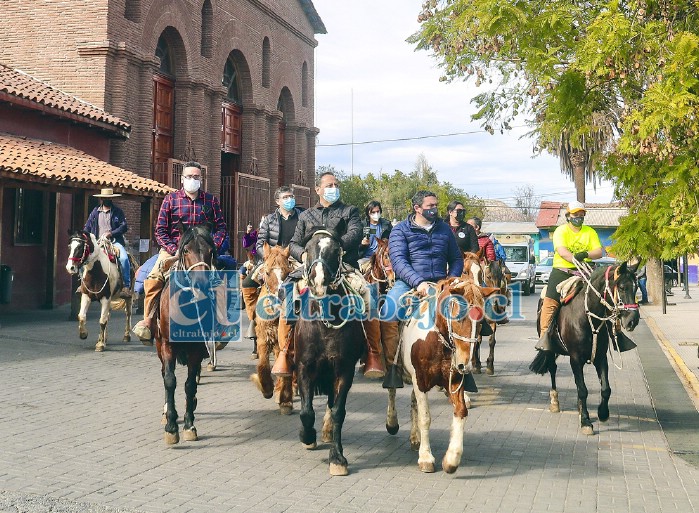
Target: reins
pixel 82 261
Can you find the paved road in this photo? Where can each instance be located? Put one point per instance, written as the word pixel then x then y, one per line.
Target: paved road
pixel 82 432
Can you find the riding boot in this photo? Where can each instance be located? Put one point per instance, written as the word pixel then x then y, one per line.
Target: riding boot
pixel 282 365
pixel 390 335
pixel 250 296
pixel 548 312
pixel 623 343
pixel 373 367
pixel 252 336
pixel 145 328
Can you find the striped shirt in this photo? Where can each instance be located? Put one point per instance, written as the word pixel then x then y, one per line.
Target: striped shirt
pixel 177 206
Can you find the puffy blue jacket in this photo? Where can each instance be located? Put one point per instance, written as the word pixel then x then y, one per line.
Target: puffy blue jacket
pixel 419 255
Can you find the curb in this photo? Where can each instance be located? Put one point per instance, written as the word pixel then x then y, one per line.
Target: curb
pixel 690 379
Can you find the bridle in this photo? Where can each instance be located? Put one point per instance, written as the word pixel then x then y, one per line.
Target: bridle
pixel 86 250
pixel 385 269
pixel 337 276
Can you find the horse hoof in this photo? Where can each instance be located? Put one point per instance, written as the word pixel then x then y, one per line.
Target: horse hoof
pixel 83 336
pixel 99 348
pixel 211 367
pixel 426 466
pixel 190 435
pixel 448 467
pixel 163 420
pixel 490 371
pixel 587 430
pixel 338 470
pixel 415 445
pixel 220 345
pixel 286 408
pixel 476 370
pixel 254 356
pixel 171 438
pixel 392 430
pixel 309 447
pixel 603 414
pixel 555 408
pixel 127 339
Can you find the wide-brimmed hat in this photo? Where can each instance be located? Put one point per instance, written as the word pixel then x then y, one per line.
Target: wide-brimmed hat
pixel 106 193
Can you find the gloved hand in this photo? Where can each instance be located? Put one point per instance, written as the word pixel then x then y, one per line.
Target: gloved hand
pixel 580 256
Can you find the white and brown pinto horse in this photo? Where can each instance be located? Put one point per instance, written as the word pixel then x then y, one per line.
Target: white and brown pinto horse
pixel 438 352
pixel 100 279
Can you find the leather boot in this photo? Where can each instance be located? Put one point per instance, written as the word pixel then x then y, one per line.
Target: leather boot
pixel 548 311
pixel 145 328
pixel 374 366
pixel 250 296
pixel 623 343
pixel 251 334
pixel 389 336
pixel 282 365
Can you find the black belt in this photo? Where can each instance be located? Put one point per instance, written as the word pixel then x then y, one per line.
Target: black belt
pixel 572 272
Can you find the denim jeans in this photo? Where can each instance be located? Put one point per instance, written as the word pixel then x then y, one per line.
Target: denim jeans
pixel 125 264
pixel 644 291
pixel 389 309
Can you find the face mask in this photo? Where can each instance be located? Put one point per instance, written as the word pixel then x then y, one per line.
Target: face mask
pixel 288 204
pixel 577 221
pixel 460 215
pixel 190 184
pixel 107 203
pixel 375 217
pixel 331 195
pixel 430 214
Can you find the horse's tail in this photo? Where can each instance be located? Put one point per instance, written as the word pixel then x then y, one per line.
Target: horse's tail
pixel 182 358
pixel 543 362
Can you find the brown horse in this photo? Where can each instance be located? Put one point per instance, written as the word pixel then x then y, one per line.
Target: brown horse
pixel 100 278
pixel 197 252
pixel 438 351
pixel 493 277
pixel 274 271
pixel 472 266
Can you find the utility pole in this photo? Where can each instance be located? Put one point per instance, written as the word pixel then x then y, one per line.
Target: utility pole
pixel 352 130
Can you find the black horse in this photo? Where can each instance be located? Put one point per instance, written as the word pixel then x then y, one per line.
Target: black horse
pixel 327 346
pixel 583 330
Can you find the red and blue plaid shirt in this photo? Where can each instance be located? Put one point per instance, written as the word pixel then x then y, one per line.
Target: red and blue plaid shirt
pixel 177 206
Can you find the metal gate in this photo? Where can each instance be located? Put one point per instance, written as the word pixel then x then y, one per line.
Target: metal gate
pixel 251 203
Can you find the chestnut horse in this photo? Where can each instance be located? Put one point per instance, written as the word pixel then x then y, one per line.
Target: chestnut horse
pixel 438 351
pixel 328 346
pixel 100 278
pixel 197 252
pixel 274 271
pixel 494 277
pixel 582 331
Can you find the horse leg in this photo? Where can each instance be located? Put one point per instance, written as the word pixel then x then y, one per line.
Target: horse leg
pixel 286 399
pixel 452 458
pixel 490 364
pixel 585 424
pixel 555 406
pixel 82 316
pixel 263 377
pixel 425 460
pixel 128 304
pixel 211 348
pixel 326 434
pixel 391 413
pixel 189 432
pixel 104 318
pixel 477 356
pixel 602 366
pixel 414 434
pixel 308 416
pixel 172 435
pixel 338 462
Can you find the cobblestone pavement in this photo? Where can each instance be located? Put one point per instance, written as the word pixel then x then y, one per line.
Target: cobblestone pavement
pixel 81 432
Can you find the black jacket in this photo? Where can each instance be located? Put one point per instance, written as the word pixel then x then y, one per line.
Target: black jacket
pixel 466 237
pixel 343 219
pixel 269 229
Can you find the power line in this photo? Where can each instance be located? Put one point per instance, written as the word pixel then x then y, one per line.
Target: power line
pixel 402 139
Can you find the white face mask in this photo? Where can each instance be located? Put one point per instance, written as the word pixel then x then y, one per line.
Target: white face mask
pixel 190 184
pixel 375 216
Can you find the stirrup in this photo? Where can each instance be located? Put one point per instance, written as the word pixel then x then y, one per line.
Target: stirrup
pixel 143 333
pixel 545 343
pixel 281 367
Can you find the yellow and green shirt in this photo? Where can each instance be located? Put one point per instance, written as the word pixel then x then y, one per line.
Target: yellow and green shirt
pixel 584 240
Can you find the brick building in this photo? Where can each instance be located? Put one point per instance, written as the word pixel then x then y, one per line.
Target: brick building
pixel 226 82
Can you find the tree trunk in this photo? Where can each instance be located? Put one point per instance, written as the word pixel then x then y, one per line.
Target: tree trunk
pixel 577 159
pixel 654 272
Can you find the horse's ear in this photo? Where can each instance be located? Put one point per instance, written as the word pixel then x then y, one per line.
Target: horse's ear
pixel 181 227
pixel 265 250
pixel 286 251
pixel 622 268
pixel 633 265
pixel 489 291
pixel 209 226
pixel 480 254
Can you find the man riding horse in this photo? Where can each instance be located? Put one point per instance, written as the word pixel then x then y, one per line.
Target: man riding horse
pixel 331 213
pixel 186 207
pixel 108 221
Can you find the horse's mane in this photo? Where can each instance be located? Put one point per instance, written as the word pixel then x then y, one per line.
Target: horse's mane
pixel 314 231
pixel 202 231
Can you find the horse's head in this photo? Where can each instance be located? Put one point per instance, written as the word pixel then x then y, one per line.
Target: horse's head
pixel 197 251
pixel 472 266
pixel 80 247
pixel 623 283
pixel 380 268
pixel 276 266
pixel 323 261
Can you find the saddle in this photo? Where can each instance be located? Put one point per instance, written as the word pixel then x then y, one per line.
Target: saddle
pixel 569 288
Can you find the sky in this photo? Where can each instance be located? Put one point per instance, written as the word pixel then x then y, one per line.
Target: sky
pixel 371 85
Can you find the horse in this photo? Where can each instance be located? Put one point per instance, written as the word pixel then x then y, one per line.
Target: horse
pixel 472 266
pixel 275 269
pixel 100 279
pixel 438 351
pixel 379 268
pixel 196 251
pixel 582 332
pixel 326 353
pixel 493 276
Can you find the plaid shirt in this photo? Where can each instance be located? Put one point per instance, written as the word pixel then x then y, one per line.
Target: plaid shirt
pixel 177 206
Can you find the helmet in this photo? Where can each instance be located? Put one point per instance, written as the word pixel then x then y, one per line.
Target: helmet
pixel 575 206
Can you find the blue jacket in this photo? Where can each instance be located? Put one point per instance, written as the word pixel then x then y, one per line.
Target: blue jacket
pixel 419 255
pixel 118 224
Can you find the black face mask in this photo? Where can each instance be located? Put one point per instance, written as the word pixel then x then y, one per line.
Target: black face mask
pixel 430 214
pixel 460 215
pixel 107 203
pixel 577 221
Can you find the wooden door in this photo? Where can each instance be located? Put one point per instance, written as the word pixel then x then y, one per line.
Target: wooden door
pixel 163 119
pixel 231 128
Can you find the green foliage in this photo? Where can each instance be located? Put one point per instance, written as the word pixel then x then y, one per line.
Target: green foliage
pixel 609 86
